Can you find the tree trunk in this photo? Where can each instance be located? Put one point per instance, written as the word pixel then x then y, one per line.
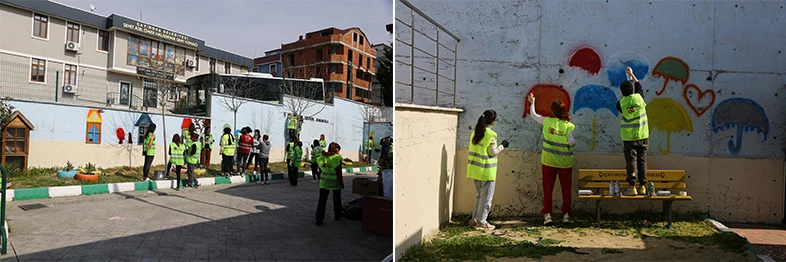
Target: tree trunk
pixel 234 121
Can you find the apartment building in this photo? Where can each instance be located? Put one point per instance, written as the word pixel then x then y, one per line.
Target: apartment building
pixel 50 52
pixel 342 57
pixel 269 64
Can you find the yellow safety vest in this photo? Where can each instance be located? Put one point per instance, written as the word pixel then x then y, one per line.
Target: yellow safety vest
pixel 370 144
pixel 322 143
pixel 229 148
pixel 152 150
pixel 291 150
pixel 633 125
pixel 176 158
pixel 207 141
pixel 481 166
pixel 193 158
pixel 556 150
pixel 297 157
pixel 291 123
pixel 328 180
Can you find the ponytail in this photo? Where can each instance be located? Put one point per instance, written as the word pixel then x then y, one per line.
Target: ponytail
pixel 559 110
pixel 488 117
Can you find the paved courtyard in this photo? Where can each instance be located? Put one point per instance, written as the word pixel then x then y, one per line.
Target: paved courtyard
pixel 244 222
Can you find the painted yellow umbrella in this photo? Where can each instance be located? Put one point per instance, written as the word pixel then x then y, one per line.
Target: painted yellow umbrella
pixel 665 114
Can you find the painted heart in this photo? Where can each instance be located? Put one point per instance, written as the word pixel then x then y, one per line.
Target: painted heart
pixel 701 104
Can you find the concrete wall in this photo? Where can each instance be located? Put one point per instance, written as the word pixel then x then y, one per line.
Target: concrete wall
pixel 698 62
pixel 425 173
pixel 59 134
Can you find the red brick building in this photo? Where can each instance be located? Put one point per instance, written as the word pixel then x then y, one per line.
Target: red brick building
pixel 342 57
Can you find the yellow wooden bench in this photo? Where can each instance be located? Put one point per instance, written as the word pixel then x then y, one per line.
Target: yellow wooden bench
pixel 598 180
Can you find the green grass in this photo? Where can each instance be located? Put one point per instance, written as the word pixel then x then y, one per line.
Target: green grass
pixel 47 176
pixel 455 243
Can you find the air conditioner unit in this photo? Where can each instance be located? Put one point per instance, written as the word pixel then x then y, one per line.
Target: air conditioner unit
pixel 191 63
pixel 69 89
pixel 72 46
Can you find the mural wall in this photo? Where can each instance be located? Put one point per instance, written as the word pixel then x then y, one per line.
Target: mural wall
pixel 713 73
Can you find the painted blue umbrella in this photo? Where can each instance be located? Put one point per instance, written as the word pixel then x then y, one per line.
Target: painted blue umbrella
pixel 745 114
pixel 595 97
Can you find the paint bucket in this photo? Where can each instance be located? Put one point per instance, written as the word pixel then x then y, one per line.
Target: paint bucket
pixel 158 175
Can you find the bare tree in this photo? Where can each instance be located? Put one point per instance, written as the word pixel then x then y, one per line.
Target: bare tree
pixel 370 114
pixel 235 90
pixel 301 97
pixel 166 91
pixel 126 145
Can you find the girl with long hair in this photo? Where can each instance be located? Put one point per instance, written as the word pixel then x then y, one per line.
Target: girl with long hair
pixel 482 166
pixel 557 157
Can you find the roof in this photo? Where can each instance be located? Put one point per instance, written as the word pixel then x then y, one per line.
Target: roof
pixel 334 31
pixel 267 59
pixel 105 22
pixel 22 118
pixel 144 120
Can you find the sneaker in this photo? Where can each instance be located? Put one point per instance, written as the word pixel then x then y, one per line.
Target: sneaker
pixel 260 182
pixel 266 183
pixel 196 186
pixel 485 226
pixel 631 191
pixel 177 189
pixel 473 223
pixel 146 179
pixel 566 219
pixel 643 190
pixel 547 220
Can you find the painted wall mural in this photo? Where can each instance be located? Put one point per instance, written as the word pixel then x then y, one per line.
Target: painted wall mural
pixel 671 69
pixel 546 94
pixel 665 114
pixel 595 97
pixel 745 115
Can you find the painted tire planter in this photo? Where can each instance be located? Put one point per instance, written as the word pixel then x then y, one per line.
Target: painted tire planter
pixel 86 177
pixel 66 174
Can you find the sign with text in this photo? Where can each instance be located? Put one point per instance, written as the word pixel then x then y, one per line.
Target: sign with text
pixel 309 118
pixel 154 73
pixel 155 32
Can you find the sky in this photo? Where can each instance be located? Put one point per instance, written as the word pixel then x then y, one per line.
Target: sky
pixel 251 27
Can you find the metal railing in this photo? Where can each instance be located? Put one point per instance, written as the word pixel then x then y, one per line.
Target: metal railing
pixel 4 240
pixel 428 57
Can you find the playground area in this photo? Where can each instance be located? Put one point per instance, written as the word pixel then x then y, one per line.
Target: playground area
pixel 635 237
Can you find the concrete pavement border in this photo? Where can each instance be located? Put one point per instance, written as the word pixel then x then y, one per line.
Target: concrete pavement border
pixel 94 189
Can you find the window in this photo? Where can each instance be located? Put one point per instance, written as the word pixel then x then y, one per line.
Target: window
pixel 332 69
pixel 273 70
pixel 15 139
pixel 40 26
pixel 197 62
pixel 349 57
pixel 318 72
pixel 291 59
pixel 227 67
pixel 140 139
pixel 319 54
pixel 93 133
pixel 368 62
pixel 72 32
pixel 361 39
pixel 150 96
pixel 349 91
pixel 37 70
pixel 337 88
pixel 212 65
pixel 125 93
pixel 156 55
pixel 69 78
pixel 354 37
pixel 103 40
pixel 360 60
pixel 174 94
pixel 255 69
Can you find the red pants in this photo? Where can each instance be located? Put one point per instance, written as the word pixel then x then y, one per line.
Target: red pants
pixel 566 184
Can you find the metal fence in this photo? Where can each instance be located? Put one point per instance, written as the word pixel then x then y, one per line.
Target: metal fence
pixel 96 89
pixel 426 70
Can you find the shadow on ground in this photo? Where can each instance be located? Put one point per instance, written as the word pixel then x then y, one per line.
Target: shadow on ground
pixel 279 226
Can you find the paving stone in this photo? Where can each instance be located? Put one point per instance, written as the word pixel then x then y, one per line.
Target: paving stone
pixel 224 222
